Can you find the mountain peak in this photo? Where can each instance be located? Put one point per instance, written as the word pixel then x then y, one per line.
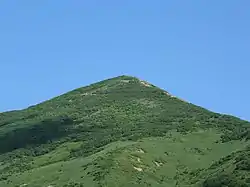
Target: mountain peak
pixel 111 132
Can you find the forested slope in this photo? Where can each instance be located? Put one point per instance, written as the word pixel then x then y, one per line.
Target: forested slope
pixel 96 130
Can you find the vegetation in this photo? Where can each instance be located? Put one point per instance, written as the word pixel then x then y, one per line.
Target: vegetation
pixel 232 170
pixel 122 132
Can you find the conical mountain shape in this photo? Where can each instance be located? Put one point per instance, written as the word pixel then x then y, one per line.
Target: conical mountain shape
pixel 121 132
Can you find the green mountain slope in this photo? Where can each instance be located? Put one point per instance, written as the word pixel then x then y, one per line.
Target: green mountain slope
pixel 231 170
pixel 118 132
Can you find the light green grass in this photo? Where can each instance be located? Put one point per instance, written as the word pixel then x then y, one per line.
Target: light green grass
pixel 165 161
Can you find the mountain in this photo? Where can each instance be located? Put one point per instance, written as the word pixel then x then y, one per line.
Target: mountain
pixel 122 132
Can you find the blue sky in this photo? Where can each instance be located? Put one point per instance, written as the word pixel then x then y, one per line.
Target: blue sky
pixel 196 50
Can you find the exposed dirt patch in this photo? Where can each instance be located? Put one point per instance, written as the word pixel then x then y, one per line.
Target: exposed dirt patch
pixel 138 169
pixel 22 185
pixel 88 93
pixel 139 160
pixel 168 94
pixel 140 151
pixel 145 84
pixel 158 164
pixel 125 81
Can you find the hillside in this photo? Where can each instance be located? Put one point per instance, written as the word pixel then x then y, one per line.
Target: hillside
pixel 122 132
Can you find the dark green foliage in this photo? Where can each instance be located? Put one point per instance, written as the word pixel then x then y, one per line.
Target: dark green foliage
pixel 101 169
pixel 40 133
pixel 223 180
pixel 244 165
pixel 231 171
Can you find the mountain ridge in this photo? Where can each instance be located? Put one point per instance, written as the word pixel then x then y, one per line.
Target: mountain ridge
pixel 120 77
pixel 97 129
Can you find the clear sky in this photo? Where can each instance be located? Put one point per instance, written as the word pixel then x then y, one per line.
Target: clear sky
pixel 196 50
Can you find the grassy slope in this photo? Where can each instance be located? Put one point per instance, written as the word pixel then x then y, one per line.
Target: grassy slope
pixel 92 136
